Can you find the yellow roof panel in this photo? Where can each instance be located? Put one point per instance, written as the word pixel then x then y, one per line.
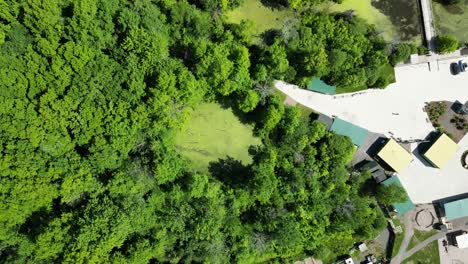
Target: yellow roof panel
pixel 395 156
pixel 441 151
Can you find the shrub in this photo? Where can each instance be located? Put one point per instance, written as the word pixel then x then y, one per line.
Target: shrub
pixel 446 43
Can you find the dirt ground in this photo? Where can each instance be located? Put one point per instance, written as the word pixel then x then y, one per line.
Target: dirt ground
pixel 445 121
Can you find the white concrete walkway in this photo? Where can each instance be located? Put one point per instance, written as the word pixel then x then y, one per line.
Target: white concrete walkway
pixel 428 20
pixel 396 111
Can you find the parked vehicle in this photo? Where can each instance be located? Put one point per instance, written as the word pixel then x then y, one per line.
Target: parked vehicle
pixel 457 67
pixel 462 65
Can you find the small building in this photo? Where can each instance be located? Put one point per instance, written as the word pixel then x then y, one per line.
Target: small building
pixel 362 247
pixel 456 209
pixel 462 241
pixel 404 207
pixel 357 134
pixel 395 156
pixel 441 151
pixel 376 170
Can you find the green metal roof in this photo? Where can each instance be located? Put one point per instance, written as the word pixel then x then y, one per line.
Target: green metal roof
pixel 456 209
pixel 401 208
pixel 357 134
pixel 320 86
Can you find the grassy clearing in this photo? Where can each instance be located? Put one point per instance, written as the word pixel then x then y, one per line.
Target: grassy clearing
pixel 264 17
pixel 398 237
pixel 214 133
pixel 452 19
pixel 429 255
pixel 420 236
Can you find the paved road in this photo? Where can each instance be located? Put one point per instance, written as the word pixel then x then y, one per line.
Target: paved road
pixel 428 20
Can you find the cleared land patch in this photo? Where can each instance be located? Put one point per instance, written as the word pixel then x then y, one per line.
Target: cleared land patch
pixel 445 120
pixel 214 133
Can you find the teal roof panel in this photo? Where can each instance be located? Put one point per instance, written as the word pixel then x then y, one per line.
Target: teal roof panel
pixel 320 86
pixel 401 208
pixel 357 134
pixel 456 209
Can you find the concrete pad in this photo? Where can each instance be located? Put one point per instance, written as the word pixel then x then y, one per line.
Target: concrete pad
pixel 395 111
pixel 453 255
pixel 425 184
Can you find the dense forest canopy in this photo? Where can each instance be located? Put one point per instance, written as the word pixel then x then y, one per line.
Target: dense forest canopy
pixel 91 95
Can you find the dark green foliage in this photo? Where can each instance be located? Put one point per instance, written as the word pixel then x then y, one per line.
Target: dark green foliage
pixel 91 95
pixel 402 53
pixel 451 2
pixel 446 44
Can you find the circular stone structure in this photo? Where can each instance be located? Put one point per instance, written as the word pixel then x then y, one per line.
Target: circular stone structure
pixel 424 219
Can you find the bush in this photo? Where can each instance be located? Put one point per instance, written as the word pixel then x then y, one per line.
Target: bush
pixel 402 52
pixel 446 43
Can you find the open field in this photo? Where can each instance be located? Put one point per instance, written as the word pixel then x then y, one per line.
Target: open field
pixel 214 133
pixel 429 255
pixel 264 17
pixel 452 19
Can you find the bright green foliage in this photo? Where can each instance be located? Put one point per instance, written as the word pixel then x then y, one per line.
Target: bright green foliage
pixel 92 94
pixel 391 194
pixel 345 53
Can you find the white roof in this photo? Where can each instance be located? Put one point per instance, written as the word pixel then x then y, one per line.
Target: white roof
pixel 462 241
pixel 349 261
pixel 362 247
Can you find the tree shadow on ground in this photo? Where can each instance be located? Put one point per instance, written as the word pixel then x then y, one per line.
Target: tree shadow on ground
pixel 424 146
pixel 275 4
pixel 229 171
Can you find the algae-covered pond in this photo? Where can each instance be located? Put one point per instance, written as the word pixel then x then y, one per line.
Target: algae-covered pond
pixel 395 20
pixel 452 19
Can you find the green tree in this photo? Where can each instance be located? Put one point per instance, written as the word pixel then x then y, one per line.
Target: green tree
pixel 391 194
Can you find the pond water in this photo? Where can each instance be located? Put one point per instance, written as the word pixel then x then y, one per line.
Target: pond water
pixel 395 20
pixel 452 19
